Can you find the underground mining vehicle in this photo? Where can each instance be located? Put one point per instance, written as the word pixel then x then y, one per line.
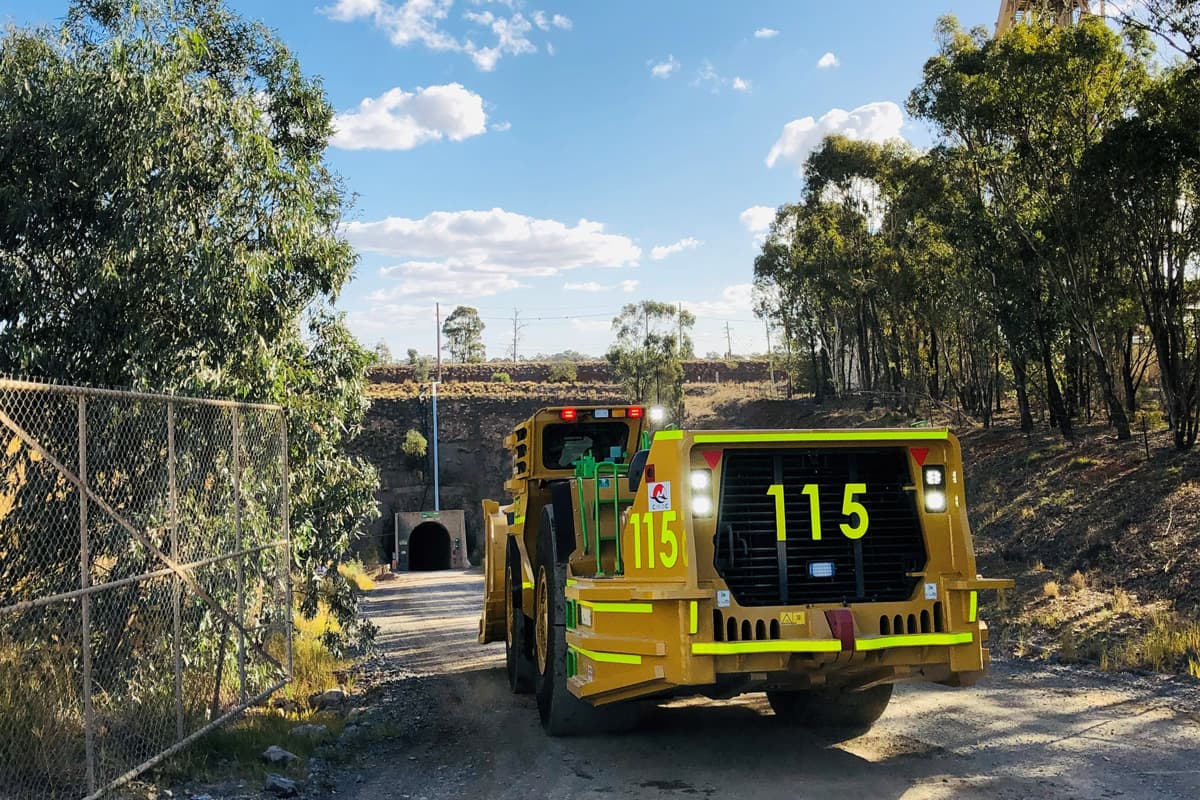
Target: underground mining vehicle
pixel 819 566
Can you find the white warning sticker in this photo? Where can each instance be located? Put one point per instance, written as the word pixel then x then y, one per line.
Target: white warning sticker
pixel 931 591
pixel 660 496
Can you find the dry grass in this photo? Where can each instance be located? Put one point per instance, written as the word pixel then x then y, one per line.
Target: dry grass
pixel 356 574
pixel 1078 581
pixel 1051 589
pixel 1120 603
pixel 1172 644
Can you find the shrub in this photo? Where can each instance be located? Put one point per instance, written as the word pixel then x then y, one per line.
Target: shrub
pixel 414 445
pixel 564 372
pixel 1050 589
pixel 501 377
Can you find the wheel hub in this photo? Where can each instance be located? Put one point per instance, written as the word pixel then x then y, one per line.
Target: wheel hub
pixel 542 626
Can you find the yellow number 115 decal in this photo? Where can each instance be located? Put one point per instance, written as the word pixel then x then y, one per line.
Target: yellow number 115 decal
pixel 850 508
pixel 664 550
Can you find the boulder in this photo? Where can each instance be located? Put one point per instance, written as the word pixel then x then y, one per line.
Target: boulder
pixel 280 786
pixel 313 733
pixel 277 755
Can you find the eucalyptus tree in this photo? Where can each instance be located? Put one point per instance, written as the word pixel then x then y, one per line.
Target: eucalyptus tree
pixel 168 222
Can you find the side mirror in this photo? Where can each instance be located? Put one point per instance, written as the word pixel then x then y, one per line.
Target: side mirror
pixel 637 466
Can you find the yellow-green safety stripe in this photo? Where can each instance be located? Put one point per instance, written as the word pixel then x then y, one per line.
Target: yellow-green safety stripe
pixel 973 610
pixel 618 608
pixel 607 658
pixel 913 640
pixel 519 520
pixel 822 436
pixel 768 646
pixel 667 436
pixel 693 617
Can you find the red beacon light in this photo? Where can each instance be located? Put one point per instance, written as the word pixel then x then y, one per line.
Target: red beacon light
pixel 635 412
pixel 568 414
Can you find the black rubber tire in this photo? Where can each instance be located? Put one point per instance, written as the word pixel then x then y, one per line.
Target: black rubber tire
pixel 835 713
pixel 562 713
pixel 518 655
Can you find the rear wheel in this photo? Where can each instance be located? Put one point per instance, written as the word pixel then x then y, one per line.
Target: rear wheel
pixel 836 713
pixel 517 657
pixel 562 713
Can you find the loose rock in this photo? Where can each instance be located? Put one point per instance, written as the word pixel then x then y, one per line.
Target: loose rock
pixel 277 755
pixel 280 786
pixel 333 698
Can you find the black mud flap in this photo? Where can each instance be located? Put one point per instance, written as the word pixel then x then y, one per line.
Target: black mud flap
pixel 564 520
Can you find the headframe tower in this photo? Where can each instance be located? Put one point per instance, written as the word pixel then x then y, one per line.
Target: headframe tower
pixel 1057 12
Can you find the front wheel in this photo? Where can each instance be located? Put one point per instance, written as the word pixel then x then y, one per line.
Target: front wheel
pixel 517 658
pixel 562 713
pixel 835 713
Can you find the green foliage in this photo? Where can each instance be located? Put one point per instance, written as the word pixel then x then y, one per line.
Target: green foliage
pixel 383 353
pixel 463 330
pixel 501 377
pixel 563 372
pixel 414 445
pixel 179 232
pixel 651 342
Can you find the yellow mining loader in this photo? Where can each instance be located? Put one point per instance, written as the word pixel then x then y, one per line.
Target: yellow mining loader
pixel 819 566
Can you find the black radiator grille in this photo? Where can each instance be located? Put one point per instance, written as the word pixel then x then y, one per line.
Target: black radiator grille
pixel 872 568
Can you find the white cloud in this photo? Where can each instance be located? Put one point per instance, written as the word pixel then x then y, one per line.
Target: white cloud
pixel 874 122
pixel 664 250
pixel 741 85
pixel 593 286
pixel 495 243
pixel 501 127
pixel 707 77
pixel 663 69
pixel 828 60
pixel 441 279
pixel 400 120
pixel 736 299
pixel 757 219
pixel 765 33
pixel 422 22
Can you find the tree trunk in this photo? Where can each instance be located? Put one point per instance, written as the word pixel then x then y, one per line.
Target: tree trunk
pixel 1116 412
pixel 1021 379
pixel 1054 398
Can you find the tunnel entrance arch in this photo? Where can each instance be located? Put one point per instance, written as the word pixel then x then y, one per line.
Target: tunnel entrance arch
pixel 430 540
pixel 429 547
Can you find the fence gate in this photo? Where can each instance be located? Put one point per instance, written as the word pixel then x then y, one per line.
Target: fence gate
pixel 144 587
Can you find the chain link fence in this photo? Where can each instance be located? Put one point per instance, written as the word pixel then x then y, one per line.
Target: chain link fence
pixel 144 588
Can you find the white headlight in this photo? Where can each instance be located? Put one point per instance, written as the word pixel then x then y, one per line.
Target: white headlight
pixel 701 506
pixel 700 480
pixel 935 501
pixel 934 476
pixel 657 414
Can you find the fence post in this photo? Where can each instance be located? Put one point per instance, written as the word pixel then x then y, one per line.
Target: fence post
pixel 176 585
pixel 287 539
pixel 85 607
pixel 241 559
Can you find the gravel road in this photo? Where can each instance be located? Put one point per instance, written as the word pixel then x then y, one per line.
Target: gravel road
pixel 1027 731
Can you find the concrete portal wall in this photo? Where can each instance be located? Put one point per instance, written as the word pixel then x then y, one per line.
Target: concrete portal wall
pixel 453 521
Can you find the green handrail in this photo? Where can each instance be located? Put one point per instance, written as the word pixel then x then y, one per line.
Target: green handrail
pixel 587 468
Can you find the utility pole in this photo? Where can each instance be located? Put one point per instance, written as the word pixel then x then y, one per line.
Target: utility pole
pixel 728 341
pixel 770 354
pixel 681 331
pixel 437 494
pixel 437 311
pixel 518 326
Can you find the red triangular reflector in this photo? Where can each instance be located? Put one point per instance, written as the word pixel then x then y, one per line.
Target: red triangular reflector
pixel 713 457
pixel 919 455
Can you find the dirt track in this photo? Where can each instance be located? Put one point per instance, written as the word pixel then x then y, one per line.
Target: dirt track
pixel 1027 731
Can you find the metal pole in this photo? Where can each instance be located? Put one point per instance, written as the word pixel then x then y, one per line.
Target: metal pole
pixel 287 539
pixel 241 564
pixel 437 497
pixel 89 716
pixel 437 313
pixel 176 586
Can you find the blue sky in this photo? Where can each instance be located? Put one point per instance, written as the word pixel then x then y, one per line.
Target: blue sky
pixel 568 158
